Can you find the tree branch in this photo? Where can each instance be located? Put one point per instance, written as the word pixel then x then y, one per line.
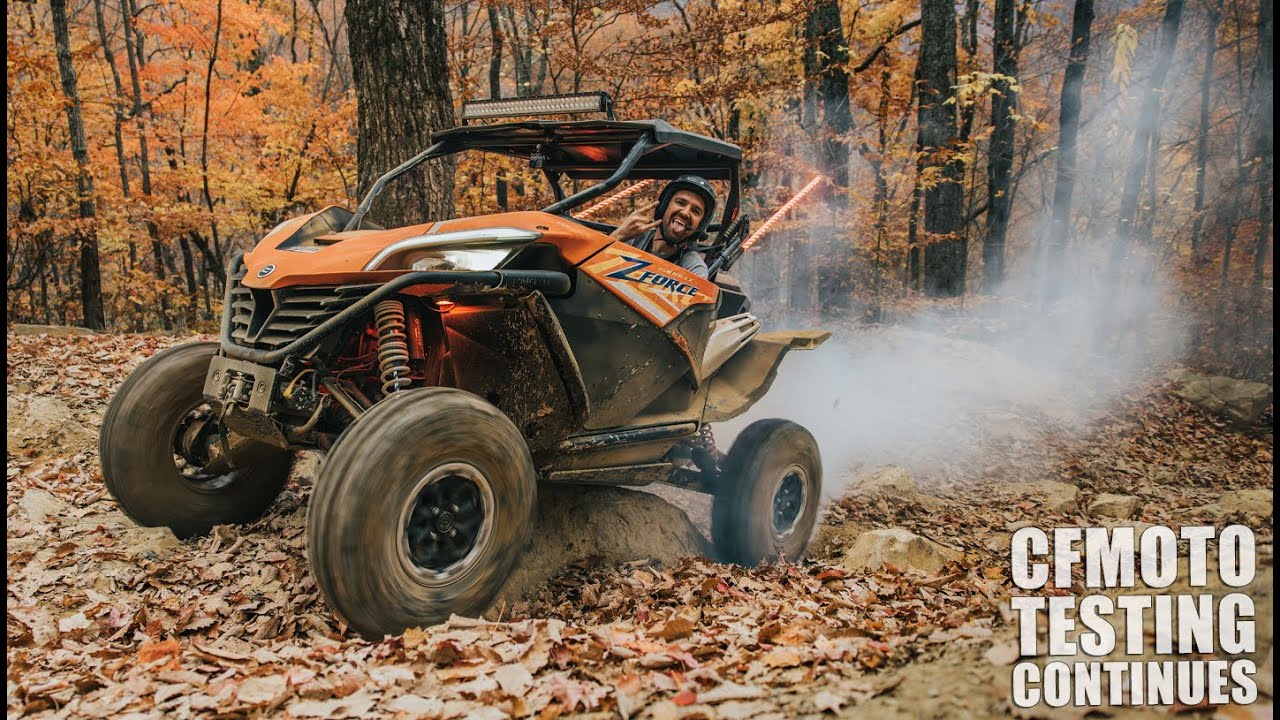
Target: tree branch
pixel 880 48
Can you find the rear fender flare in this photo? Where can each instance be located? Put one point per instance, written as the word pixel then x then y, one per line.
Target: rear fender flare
pixel 748 375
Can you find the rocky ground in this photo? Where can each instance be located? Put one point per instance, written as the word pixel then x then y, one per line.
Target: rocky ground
pixel 901 612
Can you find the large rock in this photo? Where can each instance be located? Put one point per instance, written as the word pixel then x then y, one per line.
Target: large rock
pixel 1138 526
pixel 42 506
pixel 1240 401
pixel 1120 507
pixel 1009 427
pixel 1053 495
pixel 148 542
pixel 51 330
pixel 889 481
pixel 46 421
pixel 832 539
pixel 900 548
pixel 609 524
pixel 1241 502
pixel 39 416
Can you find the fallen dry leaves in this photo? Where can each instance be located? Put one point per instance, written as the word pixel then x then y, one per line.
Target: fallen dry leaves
pixel 108 619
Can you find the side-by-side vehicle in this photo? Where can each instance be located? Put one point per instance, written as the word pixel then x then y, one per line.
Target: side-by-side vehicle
pixel 449 367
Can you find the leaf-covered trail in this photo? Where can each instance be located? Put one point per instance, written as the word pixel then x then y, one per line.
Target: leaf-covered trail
pixel 108 619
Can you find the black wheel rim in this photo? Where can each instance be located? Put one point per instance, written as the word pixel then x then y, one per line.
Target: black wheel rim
pixel 788 501
pixel 446 522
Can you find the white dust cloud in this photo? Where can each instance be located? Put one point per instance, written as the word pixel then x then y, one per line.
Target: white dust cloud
pixel 929 392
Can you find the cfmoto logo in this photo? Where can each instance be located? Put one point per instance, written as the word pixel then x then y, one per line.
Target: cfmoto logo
pixel 266 271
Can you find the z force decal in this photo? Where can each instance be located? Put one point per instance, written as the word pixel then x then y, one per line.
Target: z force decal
pixel 656 289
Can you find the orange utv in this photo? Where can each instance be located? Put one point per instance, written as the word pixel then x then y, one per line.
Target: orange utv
pixel 449 367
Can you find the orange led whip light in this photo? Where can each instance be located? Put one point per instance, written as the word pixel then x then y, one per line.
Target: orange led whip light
pixel 586 214
pixel 777 216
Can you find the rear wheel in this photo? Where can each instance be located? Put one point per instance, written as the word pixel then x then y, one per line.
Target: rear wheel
pixel 421 510
pixel 165 457
pixel 767 501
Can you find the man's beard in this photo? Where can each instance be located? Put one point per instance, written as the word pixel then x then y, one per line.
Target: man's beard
pixel 669 231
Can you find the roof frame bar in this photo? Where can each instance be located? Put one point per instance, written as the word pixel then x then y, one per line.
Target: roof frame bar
pixel 560 207
pixel 380 183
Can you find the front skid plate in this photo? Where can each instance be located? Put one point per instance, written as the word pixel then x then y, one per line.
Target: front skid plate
pixel 237 381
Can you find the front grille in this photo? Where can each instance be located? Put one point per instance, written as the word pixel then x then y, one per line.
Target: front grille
pixel 271 319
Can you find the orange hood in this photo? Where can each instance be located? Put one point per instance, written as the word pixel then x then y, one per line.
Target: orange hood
pixel 340 258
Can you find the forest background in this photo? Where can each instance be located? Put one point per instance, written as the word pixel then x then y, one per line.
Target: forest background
pixel 1010 153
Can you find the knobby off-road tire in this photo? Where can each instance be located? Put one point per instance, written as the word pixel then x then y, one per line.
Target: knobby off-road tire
pixel 416 466
pixel 767 500
pixel 137 448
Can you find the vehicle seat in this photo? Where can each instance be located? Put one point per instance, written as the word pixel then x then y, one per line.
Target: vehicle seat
pixel 733 300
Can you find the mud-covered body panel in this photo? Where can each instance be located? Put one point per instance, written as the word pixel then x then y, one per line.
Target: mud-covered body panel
pixel 498 354
pixel 625 360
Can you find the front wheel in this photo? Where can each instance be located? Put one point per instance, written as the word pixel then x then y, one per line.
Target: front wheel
pixel 421 510
pixel 165 457
pixel 766 503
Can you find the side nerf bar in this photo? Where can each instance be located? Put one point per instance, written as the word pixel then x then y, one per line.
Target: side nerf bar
pixel 549 282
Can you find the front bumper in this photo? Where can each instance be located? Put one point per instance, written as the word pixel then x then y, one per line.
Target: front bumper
pixel 548 282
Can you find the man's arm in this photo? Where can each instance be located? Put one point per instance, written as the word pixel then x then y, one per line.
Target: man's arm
pixel 692 261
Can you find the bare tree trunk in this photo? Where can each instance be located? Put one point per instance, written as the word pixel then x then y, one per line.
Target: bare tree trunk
pixel 521 52
pixel 944 252
pixel 881 199
pixel 117 115
pixel 1148 128
pixel 913 230
pixel 87 235
pixel 542 65
pixel 401 76
pixel 1265 144
pixel 495 91
pixel 968 43
pixel 188 267
pixel 204 145
pixel 1000 155
pixel 133 50
pixel 495 56
pixel 831 56
pixel 1068 131
pixel 1146 224
pixel 1202 141
pixel 204 286
pixel 809 87
pixel 57 289
pixel 1224 276
pixel 44 299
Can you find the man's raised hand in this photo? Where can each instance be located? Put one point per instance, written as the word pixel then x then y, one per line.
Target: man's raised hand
pixel 637 222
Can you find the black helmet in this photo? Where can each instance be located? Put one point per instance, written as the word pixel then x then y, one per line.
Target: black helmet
pixel 693 183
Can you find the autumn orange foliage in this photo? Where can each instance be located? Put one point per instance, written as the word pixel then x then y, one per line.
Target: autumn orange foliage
pixel 247 113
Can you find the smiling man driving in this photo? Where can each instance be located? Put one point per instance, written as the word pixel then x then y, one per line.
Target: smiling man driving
pixel 679 217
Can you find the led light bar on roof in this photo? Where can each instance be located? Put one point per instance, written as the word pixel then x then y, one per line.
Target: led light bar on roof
pixel 539 105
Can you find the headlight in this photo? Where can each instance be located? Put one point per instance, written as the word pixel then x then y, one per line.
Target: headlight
pixel 485 259
pixel 482 249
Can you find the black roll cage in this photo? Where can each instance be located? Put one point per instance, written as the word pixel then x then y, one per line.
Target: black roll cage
pixel 645 143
